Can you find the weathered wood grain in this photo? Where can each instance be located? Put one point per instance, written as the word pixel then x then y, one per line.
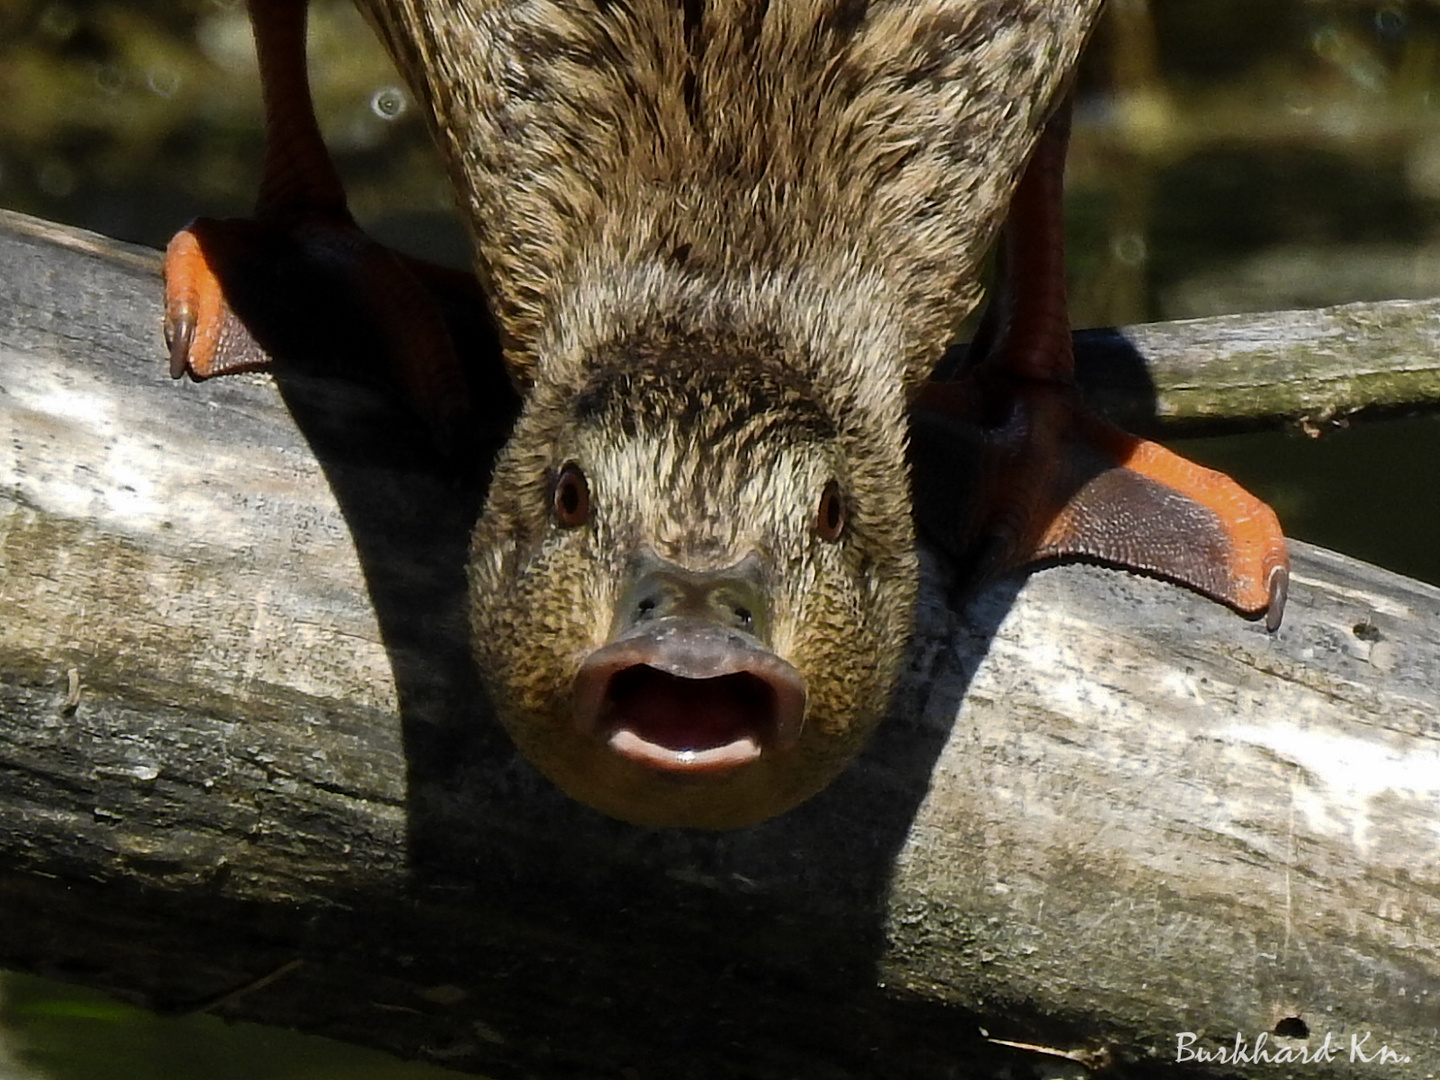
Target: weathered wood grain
pixel 1232 372
pixel 238 729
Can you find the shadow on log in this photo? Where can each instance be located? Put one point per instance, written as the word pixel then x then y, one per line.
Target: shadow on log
pixel 239 737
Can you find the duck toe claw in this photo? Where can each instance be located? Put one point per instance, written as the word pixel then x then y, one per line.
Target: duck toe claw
pixel 202 334
pixel 1279 591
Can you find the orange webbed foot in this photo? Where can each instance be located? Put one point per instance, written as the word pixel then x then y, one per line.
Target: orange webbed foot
pixel 1023 473
pixel 240 293
pixel 1012 467
pixel 1155 511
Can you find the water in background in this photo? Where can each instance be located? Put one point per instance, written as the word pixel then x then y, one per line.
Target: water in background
pixel 1227 156
pixel 53 1031
pixel 1232 156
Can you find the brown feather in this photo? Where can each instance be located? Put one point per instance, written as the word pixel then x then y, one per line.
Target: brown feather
pixel 725 241
pixel 833 170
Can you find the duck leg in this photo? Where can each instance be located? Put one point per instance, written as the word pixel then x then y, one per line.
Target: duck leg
pixel 240 291
pixel 1015 469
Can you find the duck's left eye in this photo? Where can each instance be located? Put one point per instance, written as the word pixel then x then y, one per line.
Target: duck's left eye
pixel 571 497
pixel 830 514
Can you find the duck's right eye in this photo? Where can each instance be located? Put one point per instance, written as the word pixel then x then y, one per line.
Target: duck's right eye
pixel 571 497
pixel 830 516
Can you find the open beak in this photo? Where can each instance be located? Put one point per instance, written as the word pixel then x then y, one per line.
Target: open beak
pixel 687 684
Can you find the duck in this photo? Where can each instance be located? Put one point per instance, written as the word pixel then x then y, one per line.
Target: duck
pixel 725 244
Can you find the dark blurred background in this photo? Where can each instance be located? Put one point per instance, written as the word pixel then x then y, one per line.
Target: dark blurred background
pixel 1229 155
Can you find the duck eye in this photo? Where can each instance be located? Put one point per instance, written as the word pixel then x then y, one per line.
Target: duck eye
pixel 571 497
pixel 830 516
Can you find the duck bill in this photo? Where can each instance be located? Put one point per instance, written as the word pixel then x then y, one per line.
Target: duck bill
pixel 685 695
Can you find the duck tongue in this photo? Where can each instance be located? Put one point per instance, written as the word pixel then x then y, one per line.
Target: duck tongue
pixel 684 695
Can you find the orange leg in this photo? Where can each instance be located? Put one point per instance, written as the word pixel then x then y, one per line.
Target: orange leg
pixel 1044 478
pixel 229 284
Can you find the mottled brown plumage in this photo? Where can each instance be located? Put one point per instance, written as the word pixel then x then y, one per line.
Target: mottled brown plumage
pixel 827 172
pixel 725 243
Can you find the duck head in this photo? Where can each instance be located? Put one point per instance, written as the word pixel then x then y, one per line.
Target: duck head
pixel 693 582
pixel 723 245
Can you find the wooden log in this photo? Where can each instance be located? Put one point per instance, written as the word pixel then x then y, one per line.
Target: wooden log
pixel 1234 372
pixel 244 766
